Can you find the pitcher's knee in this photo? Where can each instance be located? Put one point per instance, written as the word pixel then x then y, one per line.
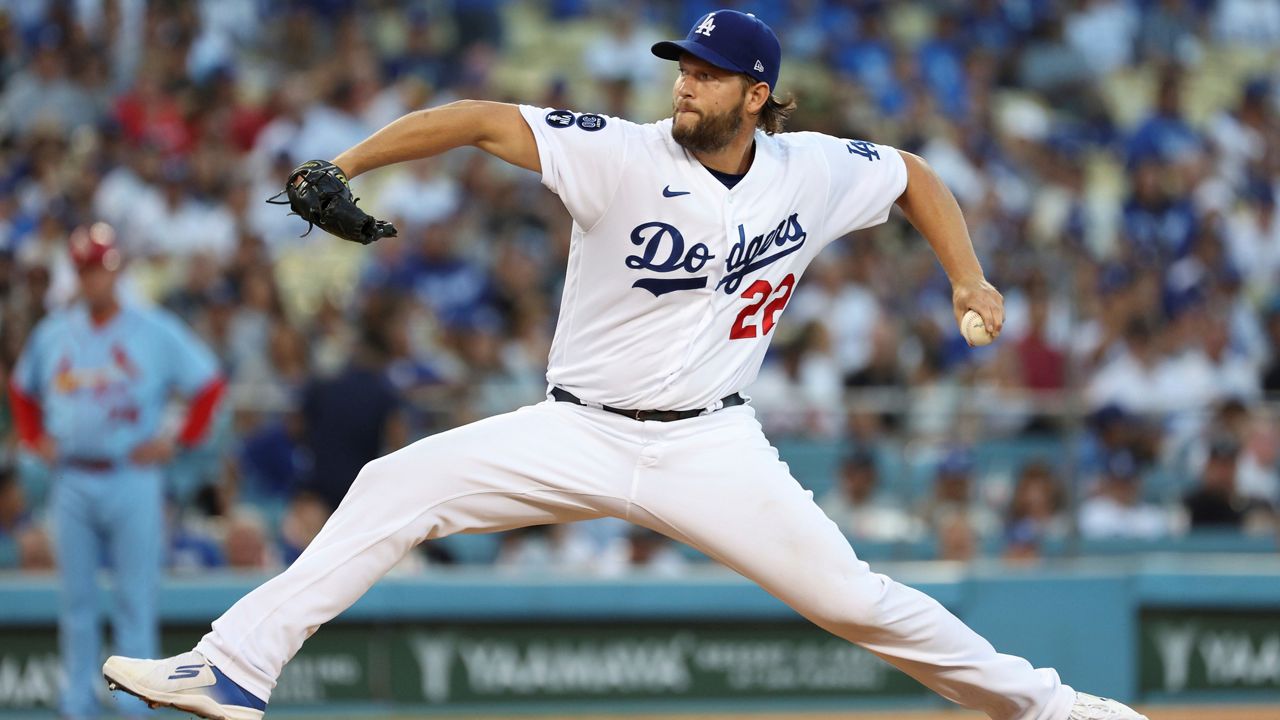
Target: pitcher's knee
pixel 387 472
pixel 411 463
pixel 848 600
pixel 400 489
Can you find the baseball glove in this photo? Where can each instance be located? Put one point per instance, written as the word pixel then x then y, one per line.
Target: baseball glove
pixel 317 191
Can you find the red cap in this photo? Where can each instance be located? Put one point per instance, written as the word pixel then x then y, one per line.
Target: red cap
pixel 94 246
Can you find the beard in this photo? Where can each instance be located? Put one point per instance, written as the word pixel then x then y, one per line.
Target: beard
pixel 711 132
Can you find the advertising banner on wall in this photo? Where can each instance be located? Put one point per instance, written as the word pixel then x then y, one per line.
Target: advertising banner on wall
pixel 1190 651
pixel 525 663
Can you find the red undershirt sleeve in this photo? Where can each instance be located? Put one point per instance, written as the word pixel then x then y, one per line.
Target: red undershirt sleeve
pixel 200 412
pixel 27 416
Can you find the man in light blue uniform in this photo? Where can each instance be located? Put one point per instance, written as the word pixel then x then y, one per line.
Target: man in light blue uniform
pixel 88 395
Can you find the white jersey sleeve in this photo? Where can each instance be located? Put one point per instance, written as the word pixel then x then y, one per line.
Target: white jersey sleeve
pixel 582 156
pixel 865 179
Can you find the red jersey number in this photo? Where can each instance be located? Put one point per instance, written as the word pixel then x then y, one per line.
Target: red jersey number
pixel 772 298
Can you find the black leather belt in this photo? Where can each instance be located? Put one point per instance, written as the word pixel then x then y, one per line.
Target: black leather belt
pixel 562 395
pixel 97 465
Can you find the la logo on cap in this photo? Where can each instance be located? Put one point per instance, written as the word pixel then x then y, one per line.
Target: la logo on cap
pixel 730 40
pixel 707 25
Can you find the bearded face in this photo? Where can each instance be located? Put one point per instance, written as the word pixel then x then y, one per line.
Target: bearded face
pixel 707 132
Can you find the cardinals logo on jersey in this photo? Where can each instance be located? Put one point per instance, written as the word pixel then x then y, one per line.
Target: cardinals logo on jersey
pixel 69 379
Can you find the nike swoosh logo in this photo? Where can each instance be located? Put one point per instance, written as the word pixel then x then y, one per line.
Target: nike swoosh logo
pixel 668 192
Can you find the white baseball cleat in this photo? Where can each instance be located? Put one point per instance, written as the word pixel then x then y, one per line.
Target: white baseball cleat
pixel 1092 707
pixel 186 682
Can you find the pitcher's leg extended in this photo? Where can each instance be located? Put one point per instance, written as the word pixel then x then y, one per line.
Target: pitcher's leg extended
pixel 494 474
pixel 766 527
pixel 541 464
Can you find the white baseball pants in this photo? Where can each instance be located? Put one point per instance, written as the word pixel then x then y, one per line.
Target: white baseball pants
pixel 712 481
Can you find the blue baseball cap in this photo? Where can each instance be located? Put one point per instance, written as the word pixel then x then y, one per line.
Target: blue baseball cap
pixel 730 40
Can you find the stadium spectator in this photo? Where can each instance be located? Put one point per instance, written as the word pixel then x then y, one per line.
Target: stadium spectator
pixel 301 522
pixel 192 548
pixel 871 59
pixel 245 543
pixel 1239 133
pixel 271 460
pixel 185 224
pixel 1103 32
pixel 1165 136
pixel 1216 503
pixel 1129 380
pixel 941 60
pixel 40 95
pixel 957 540
pixel 327 128
pixel 1252 234
pixel 1159 221
pixel 618 60
pixel 837 294
pixel 423 195
pixel 860 507
pixel 1037 510
pixel 1117 510
pixel 954 496
pixel 1167 33
pixel 354 417
pixel 800 388
pixel 1050 65
pixel 1041 362
pixel 1201 371
pixel 1254 430
pixel 1248 22
pixel 23 544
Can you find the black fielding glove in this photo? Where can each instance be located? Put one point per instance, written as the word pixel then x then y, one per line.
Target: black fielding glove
pixel 317 191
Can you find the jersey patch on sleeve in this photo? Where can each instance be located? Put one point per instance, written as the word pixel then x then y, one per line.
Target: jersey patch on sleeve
pixel 590 122
pixel 863 148
pixel 561 119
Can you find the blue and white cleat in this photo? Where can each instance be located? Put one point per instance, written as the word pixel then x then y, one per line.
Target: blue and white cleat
pixel 186 682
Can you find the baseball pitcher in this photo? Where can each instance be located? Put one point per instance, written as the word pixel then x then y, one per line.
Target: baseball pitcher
pixel 689 237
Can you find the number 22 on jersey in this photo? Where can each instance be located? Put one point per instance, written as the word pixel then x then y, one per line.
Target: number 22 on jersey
pixel 772 298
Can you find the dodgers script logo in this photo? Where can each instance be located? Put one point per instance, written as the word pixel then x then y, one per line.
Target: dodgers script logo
pixel 664 252
pixel 747 257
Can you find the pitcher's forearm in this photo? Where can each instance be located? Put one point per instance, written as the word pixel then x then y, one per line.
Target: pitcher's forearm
pixel 419 134
pixel 933 210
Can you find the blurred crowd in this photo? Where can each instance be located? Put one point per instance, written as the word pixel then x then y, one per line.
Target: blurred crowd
pixel 1118 162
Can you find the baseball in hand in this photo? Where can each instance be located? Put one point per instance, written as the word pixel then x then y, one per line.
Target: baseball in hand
pixel 973 329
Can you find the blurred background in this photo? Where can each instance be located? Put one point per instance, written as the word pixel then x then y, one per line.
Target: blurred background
pixel 1118 162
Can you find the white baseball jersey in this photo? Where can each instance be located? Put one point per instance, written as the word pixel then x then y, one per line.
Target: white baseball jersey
pixel 675 282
